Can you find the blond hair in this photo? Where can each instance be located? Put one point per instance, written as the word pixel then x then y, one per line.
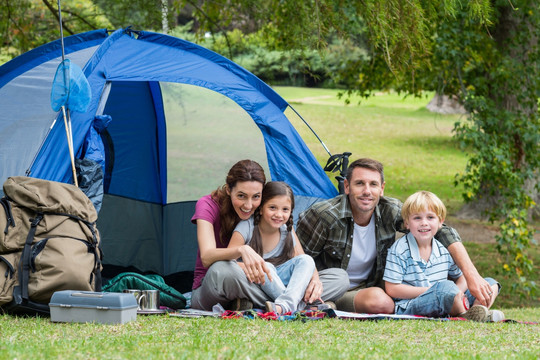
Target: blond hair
pixel 422 201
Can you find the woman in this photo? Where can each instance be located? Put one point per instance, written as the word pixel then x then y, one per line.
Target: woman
pixel 218 278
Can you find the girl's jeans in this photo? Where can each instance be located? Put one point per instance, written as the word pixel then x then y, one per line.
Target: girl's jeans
pixel 289 282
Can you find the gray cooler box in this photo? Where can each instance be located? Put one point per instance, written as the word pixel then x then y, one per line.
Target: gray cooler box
pixel 88 306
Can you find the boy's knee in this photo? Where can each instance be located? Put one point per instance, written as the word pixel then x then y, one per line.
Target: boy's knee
pixel 447 293
pixel 447 287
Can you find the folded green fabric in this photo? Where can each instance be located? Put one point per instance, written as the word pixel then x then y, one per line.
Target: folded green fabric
pixel 168 296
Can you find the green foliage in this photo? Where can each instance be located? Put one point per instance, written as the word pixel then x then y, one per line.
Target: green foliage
pixel 498 80
pixel 26 24
pixel 489 261
pixel 139 14
pixel 281 67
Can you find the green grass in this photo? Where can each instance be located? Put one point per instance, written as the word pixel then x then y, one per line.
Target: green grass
pixel 162 337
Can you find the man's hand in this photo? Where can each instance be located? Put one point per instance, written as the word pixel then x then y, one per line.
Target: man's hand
pixel 476 284
pixel 480 289
pixel 314 289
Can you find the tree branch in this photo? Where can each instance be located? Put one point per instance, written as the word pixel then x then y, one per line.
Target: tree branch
pixel 199 9
pixel 55 13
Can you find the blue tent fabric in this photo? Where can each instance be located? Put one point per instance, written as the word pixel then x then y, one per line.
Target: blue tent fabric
pixel 125 70
pixel 93 147
pixel 122 57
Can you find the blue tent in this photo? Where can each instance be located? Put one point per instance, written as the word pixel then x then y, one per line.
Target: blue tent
pixel 181 116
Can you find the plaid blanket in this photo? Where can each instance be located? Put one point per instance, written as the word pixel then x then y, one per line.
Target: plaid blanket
pixel 330 313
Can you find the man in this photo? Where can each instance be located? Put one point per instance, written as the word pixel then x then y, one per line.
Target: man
pixel 351 234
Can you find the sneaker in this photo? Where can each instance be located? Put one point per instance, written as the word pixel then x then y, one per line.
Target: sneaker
pixel 476 313
pixel 271 307
pixel 495 316
pixel 331 304
pixel 318 305
pixel 241 305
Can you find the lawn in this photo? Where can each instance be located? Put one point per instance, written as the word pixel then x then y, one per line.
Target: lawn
pixel 417 149
pixel 162 337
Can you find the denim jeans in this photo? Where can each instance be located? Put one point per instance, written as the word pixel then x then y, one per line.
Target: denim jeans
pixel 437 301
pixel 289 282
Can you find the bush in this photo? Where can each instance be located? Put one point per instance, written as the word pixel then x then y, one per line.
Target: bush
pixel 308 68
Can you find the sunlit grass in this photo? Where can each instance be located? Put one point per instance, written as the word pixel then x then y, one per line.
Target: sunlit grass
pixel 162 337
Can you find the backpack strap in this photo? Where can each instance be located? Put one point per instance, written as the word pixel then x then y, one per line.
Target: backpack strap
pixel 9 216
pixel 26 256
pixel 10 270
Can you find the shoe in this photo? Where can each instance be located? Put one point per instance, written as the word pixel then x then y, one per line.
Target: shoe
pixel 495 316
pixel 318 305
pixel 271 307
pixel 477 313
pixel 331 304
pixel 241 305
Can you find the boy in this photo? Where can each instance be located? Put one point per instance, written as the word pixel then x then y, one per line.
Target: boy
pixel 418 268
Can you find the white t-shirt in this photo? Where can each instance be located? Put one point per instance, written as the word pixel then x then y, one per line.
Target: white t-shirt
pixel 363 253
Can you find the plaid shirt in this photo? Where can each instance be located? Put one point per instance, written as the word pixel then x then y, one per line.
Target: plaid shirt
pixel 326 233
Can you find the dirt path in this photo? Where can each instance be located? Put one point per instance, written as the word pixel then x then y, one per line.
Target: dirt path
pixel 472 230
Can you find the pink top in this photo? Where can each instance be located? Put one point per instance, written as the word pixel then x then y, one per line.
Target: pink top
pixel 206 209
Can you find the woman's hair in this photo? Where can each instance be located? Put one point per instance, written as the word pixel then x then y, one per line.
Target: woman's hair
pixel 422 201
pixel 271 190
pixel 244 170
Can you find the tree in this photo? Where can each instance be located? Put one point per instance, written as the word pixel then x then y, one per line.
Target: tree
pixel 26 24
pixel 484 52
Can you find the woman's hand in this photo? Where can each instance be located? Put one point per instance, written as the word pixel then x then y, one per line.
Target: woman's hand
pixel 254 265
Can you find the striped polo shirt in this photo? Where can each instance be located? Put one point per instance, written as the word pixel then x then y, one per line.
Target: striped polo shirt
pixel 405 266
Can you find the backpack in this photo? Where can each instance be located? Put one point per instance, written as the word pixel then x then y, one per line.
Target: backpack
pixel 48 242
pixel 168 296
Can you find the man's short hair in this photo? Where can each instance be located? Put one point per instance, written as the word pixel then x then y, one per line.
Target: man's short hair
pixel 422 201
pixel 366 163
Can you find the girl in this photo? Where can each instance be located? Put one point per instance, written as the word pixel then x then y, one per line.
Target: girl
pixel 270 233
pixel 217 278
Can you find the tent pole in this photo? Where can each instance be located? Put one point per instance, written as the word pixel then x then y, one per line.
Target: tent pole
pixel 70 146
pixel 67 124
pixel 313 131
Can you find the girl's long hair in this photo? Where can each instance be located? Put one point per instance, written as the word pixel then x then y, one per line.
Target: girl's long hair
pixel 243 170
pixel 271 190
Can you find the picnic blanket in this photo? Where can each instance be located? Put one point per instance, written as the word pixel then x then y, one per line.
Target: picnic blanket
pixel 303 315
pixel 307 315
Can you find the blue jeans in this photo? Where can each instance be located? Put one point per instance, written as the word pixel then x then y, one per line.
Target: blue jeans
pixel 437 301
pixel 289 282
